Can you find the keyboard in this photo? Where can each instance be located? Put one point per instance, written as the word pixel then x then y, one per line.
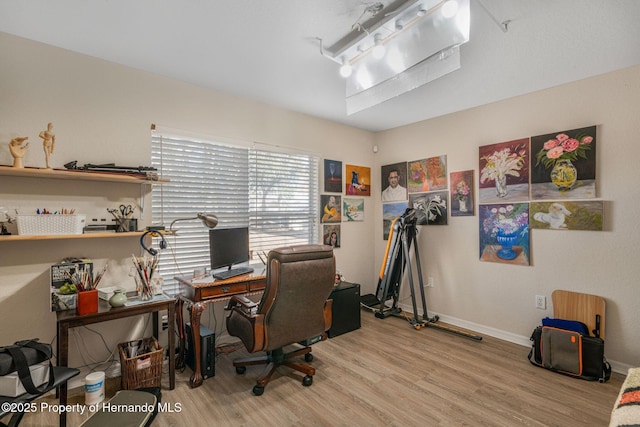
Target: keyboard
pixel 233 272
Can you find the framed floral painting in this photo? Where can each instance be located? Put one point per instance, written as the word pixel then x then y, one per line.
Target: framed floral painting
pixel 427 174
pixel 504 233
pixel 437 172
pixel 563 165
pixel 504 172
pixel 462 200
pixel 417 176
pixel 431 208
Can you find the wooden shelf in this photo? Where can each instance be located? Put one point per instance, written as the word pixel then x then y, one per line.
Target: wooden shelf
pixel 15 238
pixel 76 175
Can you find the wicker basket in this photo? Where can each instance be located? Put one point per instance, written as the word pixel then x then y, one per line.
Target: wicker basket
pixel 41 225
pixel 144 370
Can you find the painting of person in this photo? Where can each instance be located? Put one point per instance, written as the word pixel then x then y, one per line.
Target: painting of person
pixel 395 178
pixel 331 235
pixel 331 209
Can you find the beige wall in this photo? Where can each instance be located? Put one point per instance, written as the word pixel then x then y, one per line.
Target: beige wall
pixel 498 298
pixel 102 113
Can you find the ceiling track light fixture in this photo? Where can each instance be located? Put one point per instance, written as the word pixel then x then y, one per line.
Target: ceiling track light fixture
pixel 345 69
pixel 378 49
pixel 371 36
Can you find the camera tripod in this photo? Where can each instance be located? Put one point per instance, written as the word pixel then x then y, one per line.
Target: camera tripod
pixel 402 237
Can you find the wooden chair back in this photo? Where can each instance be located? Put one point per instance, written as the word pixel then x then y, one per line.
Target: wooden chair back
pixel 582 307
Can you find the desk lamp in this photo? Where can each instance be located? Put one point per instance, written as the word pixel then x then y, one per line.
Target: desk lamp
pixel 209 220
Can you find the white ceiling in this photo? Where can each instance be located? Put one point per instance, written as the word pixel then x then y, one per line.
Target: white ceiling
pixel 267 50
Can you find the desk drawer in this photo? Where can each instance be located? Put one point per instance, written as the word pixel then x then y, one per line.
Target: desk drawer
pixel 230 289
pixel 257 285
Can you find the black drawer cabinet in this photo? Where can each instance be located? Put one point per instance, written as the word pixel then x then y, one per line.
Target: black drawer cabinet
pixel 345 311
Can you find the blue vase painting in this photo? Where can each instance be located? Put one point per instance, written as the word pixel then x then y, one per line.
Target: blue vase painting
pixel 506 240
pixel 504 233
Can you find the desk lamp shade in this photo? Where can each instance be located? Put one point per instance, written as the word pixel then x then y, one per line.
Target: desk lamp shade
pixel 207 219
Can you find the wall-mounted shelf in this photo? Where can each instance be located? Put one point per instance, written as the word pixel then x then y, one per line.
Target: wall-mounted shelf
pixel 14 238
pixel 76 175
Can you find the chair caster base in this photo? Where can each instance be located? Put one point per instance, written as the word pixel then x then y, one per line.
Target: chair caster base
pixel 241 370
pixel 257 390
pixel 307 380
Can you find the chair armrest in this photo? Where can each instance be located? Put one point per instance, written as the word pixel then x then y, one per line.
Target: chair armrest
pixel 245 304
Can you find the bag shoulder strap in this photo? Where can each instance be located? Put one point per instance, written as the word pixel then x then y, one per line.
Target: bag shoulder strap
pixel 22 365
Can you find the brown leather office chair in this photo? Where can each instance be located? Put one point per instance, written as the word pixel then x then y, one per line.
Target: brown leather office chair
pixel 293 310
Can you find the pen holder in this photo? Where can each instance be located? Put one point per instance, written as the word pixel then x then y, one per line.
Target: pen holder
pixel 87 302
pixel 145 290
pixel 123 225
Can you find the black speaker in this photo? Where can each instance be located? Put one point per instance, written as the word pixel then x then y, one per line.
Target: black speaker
pixel 207 351
pixel 345 310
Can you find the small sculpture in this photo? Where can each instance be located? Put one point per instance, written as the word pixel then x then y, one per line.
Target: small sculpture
pixel 48 142
pixel 18 150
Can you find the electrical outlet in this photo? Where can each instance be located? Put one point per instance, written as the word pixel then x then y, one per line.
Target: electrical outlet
pixel 430 282
pixel 541 302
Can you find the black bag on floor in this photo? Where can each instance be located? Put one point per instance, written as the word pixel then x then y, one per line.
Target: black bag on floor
pixel 19 356
pixel 569 352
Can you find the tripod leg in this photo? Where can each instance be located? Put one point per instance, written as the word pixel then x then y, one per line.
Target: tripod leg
pixel 405 250
pixel 425 315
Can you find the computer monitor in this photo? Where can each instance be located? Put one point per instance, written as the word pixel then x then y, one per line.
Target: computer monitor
pixel 228 246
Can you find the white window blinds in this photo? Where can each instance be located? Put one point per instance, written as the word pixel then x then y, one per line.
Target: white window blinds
pixel 284 199
pixel 274 193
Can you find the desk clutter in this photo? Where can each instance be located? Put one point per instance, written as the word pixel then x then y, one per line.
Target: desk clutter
pixel 74 286
pixel 140 363
pixel 66 221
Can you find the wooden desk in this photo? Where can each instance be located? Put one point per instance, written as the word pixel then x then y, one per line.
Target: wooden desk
pixel 196 297
pixel 69 319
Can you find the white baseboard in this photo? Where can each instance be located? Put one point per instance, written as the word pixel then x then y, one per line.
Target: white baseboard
pixel 621 368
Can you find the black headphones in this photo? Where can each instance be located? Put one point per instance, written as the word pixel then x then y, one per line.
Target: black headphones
pixel 152 233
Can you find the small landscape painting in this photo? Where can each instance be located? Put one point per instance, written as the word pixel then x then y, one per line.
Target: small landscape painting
pixel 390 211
pixel 353 209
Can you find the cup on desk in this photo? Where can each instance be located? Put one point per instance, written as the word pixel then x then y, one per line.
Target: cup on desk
pixel 199 273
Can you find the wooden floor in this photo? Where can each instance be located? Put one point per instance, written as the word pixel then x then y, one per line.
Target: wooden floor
pixel 388 374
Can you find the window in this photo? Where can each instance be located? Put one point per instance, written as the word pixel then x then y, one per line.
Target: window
pixel 275 193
